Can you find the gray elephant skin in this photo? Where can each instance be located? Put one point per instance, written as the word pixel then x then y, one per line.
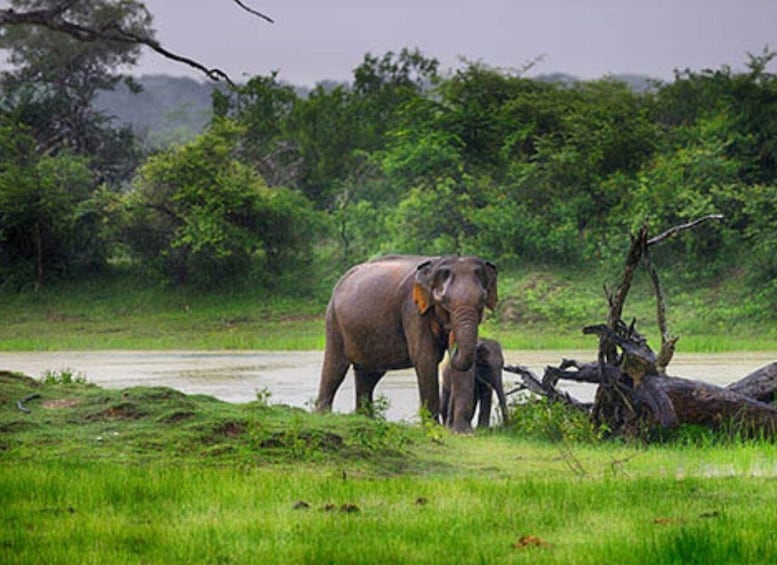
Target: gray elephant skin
pixel 404 311
pixel 487 377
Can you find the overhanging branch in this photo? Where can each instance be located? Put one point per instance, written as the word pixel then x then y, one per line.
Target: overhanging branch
pixel 54 19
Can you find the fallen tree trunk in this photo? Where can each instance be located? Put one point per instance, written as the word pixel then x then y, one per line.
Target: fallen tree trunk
pixel 634 394
pixel 716 407
pixel 739 406
pixel 761 384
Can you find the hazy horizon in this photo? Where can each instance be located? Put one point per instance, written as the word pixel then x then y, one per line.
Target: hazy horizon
pixel 315 41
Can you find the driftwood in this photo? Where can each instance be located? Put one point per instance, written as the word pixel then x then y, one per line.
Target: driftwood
pixel 634 392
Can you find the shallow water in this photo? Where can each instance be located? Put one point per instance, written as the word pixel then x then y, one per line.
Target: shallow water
pixel 291 377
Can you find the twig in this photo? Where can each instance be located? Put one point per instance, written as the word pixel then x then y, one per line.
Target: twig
pixel 668 343
pixel 254 12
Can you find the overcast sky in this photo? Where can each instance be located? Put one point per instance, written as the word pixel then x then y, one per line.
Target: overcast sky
pixel 313 40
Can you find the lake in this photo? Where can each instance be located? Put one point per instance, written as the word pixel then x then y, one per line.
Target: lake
pixel 291 377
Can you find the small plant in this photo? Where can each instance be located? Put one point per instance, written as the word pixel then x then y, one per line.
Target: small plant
pixel 263 396
pixel 546 420
pixel 63 377
pixel 432 428
pixel 376 409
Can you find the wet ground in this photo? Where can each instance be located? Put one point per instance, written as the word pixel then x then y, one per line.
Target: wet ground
pixel 291 377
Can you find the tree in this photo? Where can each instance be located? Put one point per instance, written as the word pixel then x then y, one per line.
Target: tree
pixel 48 225
pixel 61 16
pixel 263 107
pixel 56 77
pixel 381 86
pixel 198 215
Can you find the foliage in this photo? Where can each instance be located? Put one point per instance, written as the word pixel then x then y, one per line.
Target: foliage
pixel 55 79
pixel 541 419
pixel 48 223
pixel 199 215
pixel 63 377
pixel 478 160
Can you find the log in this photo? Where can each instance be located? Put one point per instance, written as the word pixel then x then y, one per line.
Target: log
pixel 761 384
pixel 716 407
pixel 634 392
pixel 665 401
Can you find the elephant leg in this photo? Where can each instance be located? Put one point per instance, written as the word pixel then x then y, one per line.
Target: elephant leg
pixel 366 381
pixel 500 395
pixel 333 372
pixel 463 394
pixel 445 396
pixel 483 398
pixel 429 388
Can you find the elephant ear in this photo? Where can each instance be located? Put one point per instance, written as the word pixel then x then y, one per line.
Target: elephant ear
pixel 491 293
pixel 422 287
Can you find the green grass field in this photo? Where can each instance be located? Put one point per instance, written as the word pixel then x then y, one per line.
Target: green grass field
pixel 540 309
pixel 149 475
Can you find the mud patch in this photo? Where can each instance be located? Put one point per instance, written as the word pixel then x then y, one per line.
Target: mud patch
pixel 61 403
pixel 119 411
pixel 231 429
pixel 175 416
pixel 310 439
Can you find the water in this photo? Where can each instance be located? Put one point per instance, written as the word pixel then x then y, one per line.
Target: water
pixel 291 377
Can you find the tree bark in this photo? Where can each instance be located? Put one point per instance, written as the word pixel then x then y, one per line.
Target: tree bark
pixel 716 407
pixel 761 384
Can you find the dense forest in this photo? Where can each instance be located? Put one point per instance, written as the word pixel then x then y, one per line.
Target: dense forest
pixel 282 187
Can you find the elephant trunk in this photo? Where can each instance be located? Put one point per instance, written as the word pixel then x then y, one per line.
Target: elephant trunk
pixel 464 323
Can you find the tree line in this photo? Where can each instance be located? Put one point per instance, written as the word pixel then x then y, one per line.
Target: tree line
pixel 282 189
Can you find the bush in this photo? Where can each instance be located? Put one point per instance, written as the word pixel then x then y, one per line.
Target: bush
pixel 197 215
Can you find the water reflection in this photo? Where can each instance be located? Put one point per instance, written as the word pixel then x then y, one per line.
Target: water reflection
pixel 291 377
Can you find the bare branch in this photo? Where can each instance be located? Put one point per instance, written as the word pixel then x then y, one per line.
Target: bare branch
pixel 682 227
pixel 254 12
pixel 53 20
pixel 668 342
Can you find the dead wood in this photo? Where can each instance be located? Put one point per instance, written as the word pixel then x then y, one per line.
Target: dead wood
pixel 716 407
pixel 761 384
pixel 634 394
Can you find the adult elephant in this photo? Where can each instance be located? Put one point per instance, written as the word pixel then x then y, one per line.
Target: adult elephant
pixel 486 374
pixel 404 311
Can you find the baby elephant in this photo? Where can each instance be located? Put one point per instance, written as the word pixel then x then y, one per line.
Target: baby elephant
pixel 487 372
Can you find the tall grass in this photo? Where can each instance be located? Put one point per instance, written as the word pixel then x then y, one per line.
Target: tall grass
pixel 69 513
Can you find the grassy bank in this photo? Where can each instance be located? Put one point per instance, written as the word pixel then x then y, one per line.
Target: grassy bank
pixel 151 475
pixel 538 309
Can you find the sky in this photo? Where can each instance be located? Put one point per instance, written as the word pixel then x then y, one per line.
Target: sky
pixel 314 40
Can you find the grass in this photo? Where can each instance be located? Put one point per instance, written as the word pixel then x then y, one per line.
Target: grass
pixel 538 309
pixel 148 474
pixel 151 475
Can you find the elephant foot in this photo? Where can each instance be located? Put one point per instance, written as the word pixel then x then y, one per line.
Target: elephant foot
pixel 323 407
pixel 462 428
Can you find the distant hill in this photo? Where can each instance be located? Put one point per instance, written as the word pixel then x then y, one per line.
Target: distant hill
pixel 171 109
pixel 168 108
pixel 638 83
